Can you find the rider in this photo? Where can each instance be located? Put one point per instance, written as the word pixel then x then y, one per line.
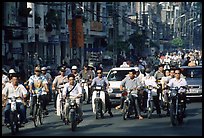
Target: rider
pixel 74 90
pixel 76 74
pixel 14 88
pixel 49 80
pixel 158 75
pixel 150 80
pixel 164 82
pixel 38 82
pixel 5 78
pixel 131 82
pixel 103 81
pixel 88 76
pixel 179 81
pixel 58 82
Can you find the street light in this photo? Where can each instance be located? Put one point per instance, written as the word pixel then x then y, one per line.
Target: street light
pixel 192 38
pixel 175 23
pixel 193 33
pixel 184 24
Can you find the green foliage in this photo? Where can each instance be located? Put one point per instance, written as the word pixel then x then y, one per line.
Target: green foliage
pixel 177 42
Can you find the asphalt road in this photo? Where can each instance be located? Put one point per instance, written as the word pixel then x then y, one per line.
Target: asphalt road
pixel 116 126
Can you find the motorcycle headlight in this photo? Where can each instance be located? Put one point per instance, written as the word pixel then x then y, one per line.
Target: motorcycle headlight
pixel 110 90
pixel 173 93
pixel 98 88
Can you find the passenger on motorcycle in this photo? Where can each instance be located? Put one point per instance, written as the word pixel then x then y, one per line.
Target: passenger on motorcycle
pixel 73 90
pixel 14 88
pixel 57 83
pixel 178 81
pixel 103 81
pixel 38 83
pixel 149 80
pixel 131 83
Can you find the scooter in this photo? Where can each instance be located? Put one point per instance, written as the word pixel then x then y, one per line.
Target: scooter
pixel 86 91
pixel 98 101
pixel 14 115
pixel 71 114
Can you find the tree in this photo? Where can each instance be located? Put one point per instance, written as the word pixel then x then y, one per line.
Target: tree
pixel 178 42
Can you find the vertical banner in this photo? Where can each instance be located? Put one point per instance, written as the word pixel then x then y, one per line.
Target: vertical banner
pixel 70 32
pixel 79 32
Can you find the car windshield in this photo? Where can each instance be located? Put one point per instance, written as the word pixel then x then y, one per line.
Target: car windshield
pixel 117 75
pixel 192 72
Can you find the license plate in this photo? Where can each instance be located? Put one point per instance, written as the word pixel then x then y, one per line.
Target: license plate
pixel 193 91
pixel 118 95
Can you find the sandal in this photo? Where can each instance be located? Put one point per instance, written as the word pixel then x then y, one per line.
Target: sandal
pixel 117 107
pixel 140 117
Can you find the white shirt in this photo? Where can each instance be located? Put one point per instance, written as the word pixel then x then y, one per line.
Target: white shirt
pixel 75 92
pixel 5 79
pixel 9 90
pixel 147 81
pixel 177 83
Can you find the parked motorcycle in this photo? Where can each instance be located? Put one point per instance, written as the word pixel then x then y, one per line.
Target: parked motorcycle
pixel 98 101
pixel 176 105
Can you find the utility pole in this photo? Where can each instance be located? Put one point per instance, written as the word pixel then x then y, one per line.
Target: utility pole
pixel 115 31
pixel 74 52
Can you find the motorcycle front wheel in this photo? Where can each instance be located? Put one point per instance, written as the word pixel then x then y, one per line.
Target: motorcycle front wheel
pixel 150 109
pixel 173 116
pixel 14 123
pixel 125 111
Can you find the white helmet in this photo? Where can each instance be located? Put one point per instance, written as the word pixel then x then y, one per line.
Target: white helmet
pixel 74 67
pixel 11 71
pixel 43 68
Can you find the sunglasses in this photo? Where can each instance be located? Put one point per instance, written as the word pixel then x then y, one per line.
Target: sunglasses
pixel 177 73
pixel 37 71
pixel 99 72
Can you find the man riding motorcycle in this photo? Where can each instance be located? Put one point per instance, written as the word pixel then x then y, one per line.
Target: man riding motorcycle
pixel 14 88
pixel 103 81
pixel 132 83
pixel 73 90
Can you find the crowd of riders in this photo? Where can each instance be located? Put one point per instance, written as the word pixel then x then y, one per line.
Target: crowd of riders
pixel 162 71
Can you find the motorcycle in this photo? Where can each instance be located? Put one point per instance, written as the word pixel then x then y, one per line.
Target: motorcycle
pixel 98 101
pixel 151 90
pixel 71 113
pixel 14 115
pixel 62 102
pixel 128 104
pixel 86 91
pixel 176 105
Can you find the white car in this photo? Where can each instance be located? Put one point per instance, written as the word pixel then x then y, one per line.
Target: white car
pixel 193 77
pixel 115 76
